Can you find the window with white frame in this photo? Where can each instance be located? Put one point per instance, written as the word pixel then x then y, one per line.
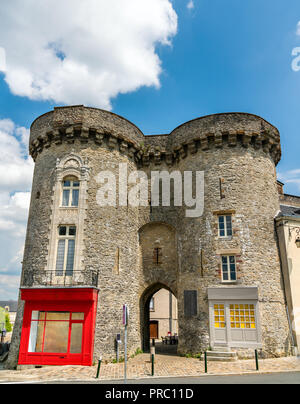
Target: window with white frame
pixel 225 225
pixel 229 268
pixel 65 250
pixel 70 192
pixel 242 316
pixel 151 304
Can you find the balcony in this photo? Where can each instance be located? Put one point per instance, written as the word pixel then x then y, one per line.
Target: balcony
pixel 33 279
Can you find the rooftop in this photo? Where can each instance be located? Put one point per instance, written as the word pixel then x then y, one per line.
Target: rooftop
pixel 13 305
pixel 289 211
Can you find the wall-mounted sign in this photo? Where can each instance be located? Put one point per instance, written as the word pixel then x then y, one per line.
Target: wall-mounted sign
pixel 125 314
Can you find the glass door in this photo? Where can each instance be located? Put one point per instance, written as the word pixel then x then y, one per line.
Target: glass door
pixel 219 324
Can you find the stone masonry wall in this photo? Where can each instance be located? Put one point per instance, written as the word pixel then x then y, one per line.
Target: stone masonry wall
pixel 238 154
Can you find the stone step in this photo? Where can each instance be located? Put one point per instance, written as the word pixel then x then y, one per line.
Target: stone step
pixel 221 359
pixel 221 353
pixel 221 348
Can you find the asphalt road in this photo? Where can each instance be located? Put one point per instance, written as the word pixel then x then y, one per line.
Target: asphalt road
pixel 274 378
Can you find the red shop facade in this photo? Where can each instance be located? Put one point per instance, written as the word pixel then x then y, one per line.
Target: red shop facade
pixel 58 326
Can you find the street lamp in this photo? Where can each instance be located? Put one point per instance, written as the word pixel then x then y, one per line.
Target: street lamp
pixel 298 242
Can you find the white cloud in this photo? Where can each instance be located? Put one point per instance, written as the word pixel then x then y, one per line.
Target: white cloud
pixel 15 165
pixel 16 169
pixel 190 5
pixel 71 51
pixel 298 28
pixel 14 212
pixel 291 177
pixel 9 287
pixel 2 60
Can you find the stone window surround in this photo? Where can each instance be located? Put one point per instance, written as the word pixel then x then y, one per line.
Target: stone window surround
pixel 226 228
pixel 70 166
pixel 236 252
pixel 226 212
pixel 228 268
pixel 70 188
pixel 67 237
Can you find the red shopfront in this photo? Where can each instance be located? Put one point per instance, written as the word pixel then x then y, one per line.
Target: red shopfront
pixel 58 326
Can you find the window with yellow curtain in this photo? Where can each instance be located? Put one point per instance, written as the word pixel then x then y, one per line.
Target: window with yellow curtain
pixel 242 316
pixel 219 311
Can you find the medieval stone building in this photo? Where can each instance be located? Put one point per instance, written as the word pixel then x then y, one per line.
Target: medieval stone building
pixel 83 261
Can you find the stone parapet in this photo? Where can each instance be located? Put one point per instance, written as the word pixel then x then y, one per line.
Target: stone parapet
pixel 66 124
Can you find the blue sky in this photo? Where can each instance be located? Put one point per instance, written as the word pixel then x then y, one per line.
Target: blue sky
pixel 159 64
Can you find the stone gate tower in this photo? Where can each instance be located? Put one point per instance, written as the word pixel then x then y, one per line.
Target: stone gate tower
pixel 83 261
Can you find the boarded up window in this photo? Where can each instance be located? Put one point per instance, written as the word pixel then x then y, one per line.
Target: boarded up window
pixel 190 303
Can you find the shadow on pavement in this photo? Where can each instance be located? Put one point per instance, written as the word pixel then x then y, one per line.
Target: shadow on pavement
pixel 165 349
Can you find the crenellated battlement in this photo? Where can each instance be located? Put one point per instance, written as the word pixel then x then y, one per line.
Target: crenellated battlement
pixel 78 123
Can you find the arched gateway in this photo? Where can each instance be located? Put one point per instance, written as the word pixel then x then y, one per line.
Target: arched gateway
pixel 145 314
pixel 83 259
pixel 159 264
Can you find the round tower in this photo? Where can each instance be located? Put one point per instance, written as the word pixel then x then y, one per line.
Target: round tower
pixel 230 254
pixel 73 243
pixel 227 276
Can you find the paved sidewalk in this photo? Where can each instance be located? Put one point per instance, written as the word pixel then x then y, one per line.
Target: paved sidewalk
pixel 140 367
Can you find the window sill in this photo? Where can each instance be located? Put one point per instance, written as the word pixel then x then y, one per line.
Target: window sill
pixel 229 282
pixel 245 345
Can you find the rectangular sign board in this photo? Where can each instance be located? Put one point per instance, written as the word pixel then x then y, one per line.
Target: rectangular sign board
pixel 125 314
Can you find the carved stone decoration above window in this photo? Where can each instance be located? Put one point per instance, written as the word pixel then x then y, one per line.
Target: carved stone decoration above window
pixel 72 165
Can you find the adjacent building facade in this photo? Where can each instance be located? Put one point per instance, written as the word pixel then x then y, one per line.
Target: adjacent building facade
pixel 288 230
pixel 163 315
pixel 83 261
pixel 10 308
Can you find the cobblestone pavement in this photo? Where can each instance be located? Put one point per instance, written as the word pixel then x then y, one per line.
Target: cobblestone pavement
pixel 140 367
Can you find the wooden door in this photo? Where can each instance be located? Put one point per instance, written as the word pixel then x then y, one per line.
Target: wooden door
pixel 153 329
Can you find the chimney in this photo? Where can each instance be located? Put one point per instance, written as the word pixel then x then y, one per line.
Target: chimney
pixel 280 186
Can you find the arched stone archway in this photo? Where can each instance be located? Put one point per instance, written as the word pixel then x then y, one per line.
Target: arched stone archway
pixel 144 312
pixel 159 268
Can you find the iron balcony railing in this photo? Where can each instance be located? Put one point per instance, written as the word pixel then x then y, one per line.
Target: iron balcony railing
pixel 57 278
